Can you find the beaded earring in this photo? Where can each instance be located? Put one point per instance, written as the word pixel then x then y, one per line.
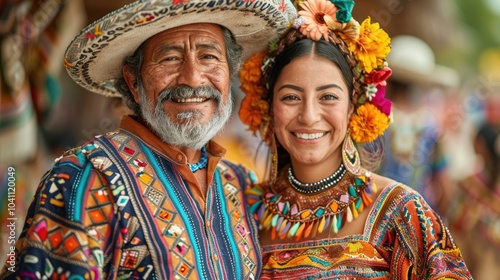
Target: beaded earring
pixel 350 155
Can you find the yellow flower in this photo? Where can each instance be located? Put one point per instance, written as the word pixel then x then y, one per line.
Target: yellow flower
pixel 317 14
pixel 368 123
pixel 372 46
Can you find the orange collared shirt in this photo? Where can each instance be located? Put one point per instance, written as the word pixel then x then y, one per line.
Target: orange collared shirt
pixel 215 154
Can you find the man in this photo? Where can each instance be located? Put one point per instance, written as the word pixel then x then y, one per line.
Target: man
pixel 154 199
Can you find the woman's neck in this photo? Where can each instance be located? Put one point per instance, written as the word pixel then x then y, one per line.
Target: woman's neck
pixel 310 173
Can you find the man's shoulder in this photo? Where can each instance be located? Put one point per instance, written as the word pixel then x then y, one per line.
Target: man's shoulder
pixel 238 168
pixel 229 164
pixel 91 146
pixel 77 164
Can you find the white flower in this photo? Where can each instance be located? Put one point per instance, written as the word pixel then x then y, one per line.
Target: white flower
pixel 370 92
pixel 298 22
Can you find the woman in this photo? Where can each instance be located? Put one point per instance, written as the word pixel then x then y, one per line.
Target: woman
pixel 322 214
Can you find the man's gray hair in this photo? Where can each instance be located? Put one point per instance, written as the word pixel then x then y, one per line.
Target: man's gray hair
pixel 135 61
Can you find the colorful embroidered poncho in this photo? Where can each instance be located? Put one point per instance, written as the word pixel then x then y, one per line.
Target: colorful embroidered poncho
pixel 117 208
pixel 403 239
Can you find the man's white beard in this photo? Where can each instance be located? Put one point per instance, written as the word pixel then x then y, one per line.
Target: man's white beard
pixel 187 131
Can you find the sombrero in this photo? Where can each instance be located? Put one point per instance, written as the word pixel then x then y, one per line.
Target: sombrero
pixel 413 61
pixel 94 58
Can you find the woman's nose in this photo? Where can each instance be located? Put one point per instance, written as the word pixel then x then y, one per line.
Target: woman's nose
pixel 309 113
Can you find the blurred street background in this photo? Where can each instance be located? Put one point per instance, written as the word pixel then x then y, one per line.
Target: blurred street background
pixel 43 112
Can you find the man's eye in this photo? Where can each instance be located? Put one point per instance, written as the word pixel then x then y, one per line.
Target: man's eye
pixel 170 58
pixel 209 56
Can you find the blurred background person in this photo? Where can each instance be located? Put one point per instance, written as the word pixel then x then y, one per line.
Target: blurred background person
pixel 33 37
pixel 412 149
pixel 474 215
pixel 475 218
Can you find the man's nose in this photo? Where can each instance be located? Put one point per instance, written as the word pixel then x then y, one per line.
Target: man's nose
pixel 191 74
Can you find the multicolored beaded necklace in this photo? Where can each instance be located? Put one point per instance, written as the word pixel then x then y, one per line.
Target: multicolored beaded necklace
pixel 289 213
pixel 200 164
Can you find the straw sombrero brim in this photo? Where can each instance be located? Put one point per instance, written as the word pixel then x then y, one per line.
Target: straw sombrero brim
pixel 95 57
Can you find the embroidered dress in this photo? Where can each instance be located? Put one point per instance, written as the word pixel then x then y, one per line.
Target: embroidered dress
pixel 119 208
pixel 404 240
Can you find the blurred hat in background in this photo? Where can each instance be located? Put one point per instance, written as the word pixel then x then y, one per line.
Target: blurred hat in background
pixel 413 62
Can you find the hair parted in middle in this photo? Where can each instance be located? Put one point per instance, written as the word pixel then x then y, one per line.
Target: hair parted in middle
pixel 328 27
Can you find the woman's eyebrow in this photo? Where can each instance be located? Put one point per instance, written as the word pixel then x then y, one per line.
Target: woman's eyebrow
pixel 291 87
pixel 328 86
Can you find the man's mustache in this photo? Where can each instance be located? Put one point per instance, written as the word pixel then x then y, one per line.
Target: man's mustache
pixel 181 92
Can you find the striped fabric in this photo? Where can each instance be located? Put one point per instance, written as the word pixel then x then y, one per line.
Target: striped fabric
pixel 115 208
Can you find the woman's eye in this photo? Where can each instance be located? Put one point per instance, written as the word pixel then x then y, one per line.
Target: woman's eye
pixel 289 97
pixel 329 97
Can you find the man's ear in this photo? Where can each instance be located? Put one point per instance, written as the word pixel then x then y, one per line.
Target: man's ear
pixel 131 81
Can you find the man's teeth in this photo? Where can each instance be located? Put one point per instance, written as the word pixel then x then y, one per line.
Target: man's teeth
pixel 190 100
pixel 309 136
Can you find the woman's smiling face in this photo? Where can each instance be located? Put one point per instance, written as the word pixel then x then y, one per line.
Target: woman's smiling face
pixel 311 109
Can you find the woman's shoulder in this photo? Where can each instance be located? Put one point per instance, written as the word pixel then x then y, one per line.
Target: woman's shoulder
pixel 382 182
pixel 392 189
pixel 397 203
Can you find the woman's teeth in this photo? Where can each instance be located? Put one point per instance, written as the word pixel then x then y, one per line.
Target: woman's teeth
pixel 307 136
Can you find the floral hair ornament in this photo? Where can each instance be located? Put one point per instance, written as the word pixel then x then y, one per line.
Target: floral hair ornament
pixel 365 47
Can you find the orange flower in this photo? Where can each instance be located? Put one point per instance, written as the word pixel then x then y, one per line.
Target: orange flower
pixel 252 89
pixel 250 72
pixel 372 46
pixel 368 123
pixel 251 111
pixel 317 13
pixel 253 108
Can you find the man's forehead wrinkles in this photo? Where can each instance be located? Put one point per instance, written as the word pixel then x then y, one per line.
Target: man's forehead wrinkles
pixel 180 47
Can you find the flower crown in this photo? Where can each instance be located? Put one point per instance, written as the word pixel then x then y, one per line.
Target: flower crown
pixel 365 47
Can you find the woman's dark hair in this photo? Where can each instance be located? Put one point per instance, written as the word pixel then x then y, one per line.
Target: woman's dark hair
pixel 305 47
pixel 302 48
pixel 135 61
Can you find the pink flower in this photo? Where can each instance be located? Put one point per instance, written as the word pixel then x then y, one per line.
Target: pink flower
pixel 382 103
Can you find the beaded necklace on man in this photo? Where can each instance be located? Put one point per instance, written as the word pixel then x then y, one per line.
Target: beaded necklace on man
pixel 291 208
pixel 200 164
